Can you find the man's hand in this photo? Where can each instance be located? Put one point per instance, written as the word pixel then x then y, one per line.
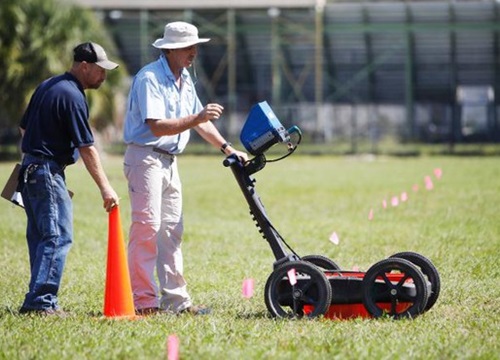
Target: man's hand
pixel 110 198
pixel 210 112
pixel 242 156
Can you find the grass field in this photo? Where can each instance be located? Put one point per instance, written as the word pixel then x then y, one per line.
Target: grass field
pixel 456 225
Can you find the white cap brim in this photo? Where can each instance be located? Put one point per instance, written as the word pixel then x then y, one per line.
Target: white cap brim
pixel 162 44
pixel 106 64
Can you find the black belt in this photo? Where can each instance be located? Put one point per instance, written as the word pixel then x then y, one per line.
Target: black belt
pixel 163 152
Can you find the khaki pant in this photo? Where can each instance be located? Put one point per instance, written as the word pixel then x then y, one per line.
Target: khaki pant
pixel 156 230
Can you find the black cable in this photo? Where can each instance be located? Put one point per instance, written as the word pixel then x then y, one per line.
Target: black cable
pixel 291 150
pixel 281 237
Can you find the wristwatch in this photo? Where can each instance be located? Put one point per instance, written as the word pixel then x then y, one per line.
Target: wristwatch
pixel 224 146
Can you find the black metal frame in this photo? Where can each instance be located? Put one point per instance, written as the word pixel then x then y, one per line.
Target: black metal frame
pixel 349 286
pixel 242 173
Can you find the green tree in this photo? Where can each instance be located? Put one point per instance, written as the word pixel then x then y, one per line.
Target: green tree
pixel 36 42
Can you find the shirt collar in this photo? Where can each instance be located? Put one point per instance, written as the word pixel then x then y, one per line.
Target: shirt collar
pixel 168 71
pixel 73 78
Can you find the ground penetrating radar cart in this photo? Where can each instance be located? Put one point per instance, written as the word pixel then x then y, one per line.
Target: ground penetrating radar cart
pixel 404 285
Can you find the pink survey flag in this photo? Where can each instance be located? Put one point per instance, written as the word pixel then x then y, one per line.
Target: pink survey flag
pixel 334 238
pixel 384 203
pixel 414 187
pixel 370 215
pixel 292 276
pixel 438 173
pixel 428 183
pixel 395 201
pixel 355 268
pixel 247 288
pixel 404 196
pixel 172 347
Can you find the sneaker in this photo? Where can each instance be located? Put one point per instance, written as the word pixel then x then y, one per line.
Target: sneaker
pixel 196 310
pixel 151 311
pixel 44 312
pixel 147 311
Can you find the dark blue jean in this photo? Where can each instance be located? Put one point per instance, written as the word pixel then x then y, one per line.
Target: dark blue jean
pixel 49 229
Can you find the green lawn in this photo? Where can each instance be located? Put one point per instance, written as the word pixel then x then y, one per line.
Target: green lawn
pixel 456 225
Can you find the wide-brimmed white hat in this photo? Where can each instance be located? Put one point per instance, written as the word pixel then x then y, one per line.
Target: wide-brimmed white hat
pixel 178 35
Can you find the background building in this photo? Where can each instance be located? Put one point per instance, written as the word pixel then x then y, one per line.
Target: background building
pixel 414 70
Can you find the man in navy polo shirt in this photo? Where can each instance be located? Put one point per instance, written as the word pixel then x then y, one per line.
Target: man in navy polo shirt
pixel 54 125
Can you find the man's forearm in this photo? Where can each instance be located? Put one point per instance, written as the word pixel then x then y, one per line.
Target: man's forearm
pixel 165 127
pixel 92 162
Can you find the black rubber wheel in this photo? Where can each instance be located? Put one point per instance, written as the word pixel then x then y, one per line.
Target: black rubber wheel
pixel 378 289
pixel 428 269
pixel 321 261
pixel 312 288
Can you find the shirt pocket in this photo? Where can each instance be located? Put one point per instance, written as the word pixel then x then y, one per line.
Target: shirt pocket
pixel 188 100
pixel 172 101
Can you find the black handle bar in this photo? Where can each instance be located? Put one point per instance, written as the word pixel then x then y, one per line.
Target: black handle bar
pixel 230 160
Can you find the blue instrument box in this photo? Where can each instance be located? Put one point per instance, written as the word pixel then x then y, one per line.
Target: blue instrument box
pixel 262 129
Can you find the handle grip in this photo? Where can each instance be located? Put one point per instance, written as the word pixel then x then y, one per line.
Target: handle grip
pixel 230 160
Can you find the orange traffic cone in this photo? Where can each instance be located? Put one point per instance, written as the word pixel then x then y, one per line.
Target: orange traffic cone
pixel 118 301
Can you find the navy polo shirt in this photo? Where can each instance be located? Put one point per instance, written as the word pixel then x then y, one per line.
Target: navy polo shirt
pixel 56 120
